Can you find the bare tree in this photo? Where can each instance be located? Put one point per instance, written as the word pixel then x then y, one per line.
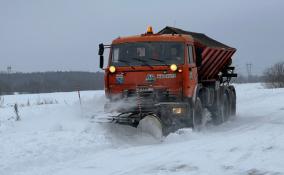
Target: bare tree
pixel 1 101
pixel 274 76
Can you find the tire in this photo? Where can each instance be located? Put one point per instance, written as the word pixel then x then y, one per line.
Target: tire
pixel 233 99
pixel 226 106
pixel 223 111
pixel 198 115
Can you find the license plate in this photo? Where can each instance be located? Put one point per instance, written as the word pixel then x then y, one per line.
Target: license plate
pixel 162 76
pixel 144 89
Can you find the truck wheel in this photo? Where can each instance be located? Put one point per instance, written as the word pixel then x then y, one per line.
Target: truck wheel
pixel 233 101
pixel 198 115
pixel 223 111
pixel 226 107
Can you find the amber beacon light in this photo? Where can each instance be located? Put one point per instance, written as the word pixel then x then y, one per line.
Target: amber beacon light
pixel 149 30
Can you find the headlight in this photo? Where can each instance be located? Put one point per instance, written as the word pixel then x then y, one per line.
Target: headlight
pixel 111 69
pixel 177 110
pixel 173 67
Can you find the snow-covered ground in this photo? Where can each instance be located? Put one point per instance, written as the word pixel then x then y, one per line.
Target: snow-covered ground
pixel 57 136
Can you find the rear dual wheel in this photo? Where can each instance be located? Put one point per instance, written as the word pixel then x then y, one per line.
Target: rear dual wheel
pixel 198 119
pixel 225 110
pixel 233 99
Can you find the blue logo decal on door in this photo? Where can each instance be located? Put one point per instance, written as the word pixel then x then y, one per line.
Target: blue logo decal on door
pixel 119 79
pixel 150 78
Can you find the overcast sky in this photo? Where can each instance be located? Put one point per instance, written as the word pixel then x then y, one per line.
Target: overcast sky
pixel 50 35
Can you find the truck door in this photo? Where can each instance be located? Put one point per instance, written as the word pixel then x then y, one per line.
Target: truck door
pixel 192 71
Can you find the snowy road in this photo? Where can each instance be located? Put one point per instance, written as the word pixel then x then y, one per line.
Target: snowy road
pixel 59 139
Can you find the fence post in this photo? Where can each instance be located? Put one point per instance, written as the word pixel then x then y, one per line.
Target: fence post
pixel 17 112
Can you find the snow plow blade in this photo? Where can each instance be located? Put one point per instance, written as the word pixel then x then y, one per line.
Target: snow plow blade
pixel 123 118
pixel 103 120
pixel 151 125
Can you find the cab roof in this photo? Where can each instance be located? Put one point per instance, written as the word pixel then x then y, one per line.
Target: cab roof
pixel 153 37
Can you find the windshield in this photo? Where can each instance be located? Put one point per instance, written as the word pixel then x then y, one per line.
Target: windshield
pixel 147 54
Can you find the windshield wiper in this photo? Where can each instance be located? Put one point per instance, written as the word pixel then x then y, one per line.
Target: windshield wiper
pixel 155 59
pixel 143 61
pixel 126 62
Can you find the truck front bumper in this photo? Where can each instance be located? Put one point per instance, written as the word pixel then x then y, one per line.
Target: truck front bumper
pixel 173 115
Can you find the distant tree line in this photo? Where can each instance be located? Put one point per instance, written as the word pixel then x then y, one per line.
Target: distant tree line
pixel 274 76
pixel 42 82
pixel 248 79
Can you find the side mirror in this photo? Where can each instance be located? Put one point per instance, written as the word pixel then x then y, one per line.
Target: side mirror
pixel 101 61
pixel 101 49
pixel 101 54
pixel 198 52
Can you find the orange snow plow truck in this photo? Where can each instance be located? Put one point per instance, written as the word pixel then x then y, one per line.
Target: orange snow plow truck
pixel 171 79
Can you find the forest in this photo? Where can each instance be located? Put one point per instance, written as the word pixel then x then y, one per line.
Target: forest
pixel 44 82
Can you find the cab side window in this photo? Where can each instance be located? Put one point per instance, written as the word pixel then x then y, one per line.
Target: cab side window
pixel 198 53
pixel 190 54
pixel 115 55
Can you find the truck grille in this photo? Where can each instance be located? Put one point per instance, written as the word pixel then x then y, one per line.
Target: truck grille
pixel 146 97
